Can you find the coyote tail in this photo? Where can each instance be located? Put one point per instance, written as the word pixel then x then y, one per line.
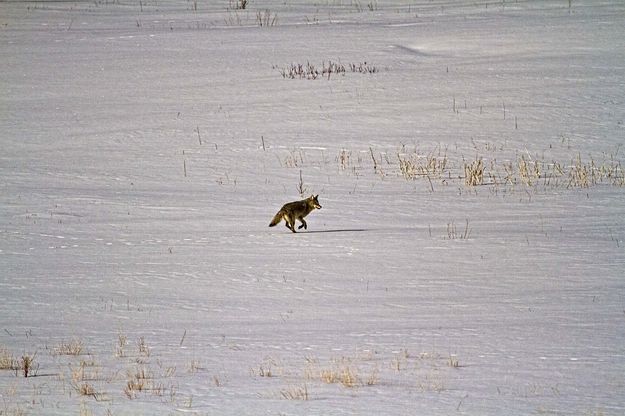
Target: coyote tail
pixel 276 219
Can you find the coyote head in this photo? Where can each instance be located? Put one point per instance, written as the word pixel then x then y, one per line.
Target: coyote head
pixel 314 201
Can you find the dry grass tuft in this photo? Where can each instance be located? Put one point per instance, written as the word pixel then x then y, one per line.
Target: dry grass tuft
pixel 344 375
pixel 342 371
pixel 432 381
pixel 86 371
pixel 195 366
pixel 413 165
pixel 349 377
pixel 139 380
pixel 122 341
pixel 265 18
pixel 27 364
pixel 295 393
pixel 73 347
pixel 85 389
pixel 7 360
pixel 453 362
pixel 133 387
pixel 373 378
pixel 239 4
pixel 266 369
pixel 474 173
pixel 144 350
pixel 453 233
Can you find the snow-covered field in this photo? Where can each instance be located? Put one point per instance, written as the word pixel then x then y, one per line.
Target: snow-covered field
pixel 145 146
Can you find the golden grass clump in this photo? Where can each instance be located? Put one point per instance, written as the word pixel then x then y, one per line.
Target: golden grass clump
pixel 474 173
pixel 346 376
pixel 73 347
pixel 85 389
pixel 7 360
pixel 138 380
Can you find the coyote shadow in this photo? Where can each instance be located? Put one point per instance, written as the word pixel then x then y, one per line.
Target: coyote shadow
pixel 342 230
pixel 369 230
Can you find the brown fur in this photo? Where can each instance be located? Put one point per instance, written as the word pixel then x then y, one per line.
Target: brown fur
pixel 296 210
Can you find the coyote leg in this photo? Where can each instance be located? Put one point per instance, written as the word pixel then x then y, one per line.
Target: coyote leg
pixel 304 225
pixel 290 225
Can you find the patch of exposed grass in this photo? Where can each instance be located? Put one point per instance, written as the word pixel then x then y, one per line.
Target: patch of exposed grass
pixel 144 350
pixel 73 347
pixel 266 18
pixel 533 172
pixel 195 366
pixel 139 380
pixel 86 371
pixel 239 4
pixel 85 389
pixel 268 368
pixel 474 172
pixel 7 360
pixel 295 393
pixel 453 362
pixel 342 371
pixel 431 381
pixel 327 70
pixel 453 233
pixel 27 364
pixel 373 378
pixel 413 164
pixel 122 341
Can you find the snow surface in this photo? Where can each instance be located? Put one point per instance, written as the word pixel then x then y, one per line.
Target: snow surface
pixel 147 145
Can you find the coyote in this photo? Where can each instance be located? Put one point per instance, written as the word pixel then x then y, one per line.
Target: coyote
pixel 296 210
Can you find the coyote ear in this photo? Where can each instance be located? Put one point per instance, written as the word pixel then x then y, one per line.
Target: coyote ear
pixel 316 196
